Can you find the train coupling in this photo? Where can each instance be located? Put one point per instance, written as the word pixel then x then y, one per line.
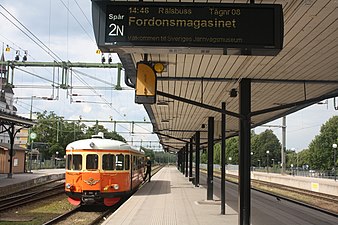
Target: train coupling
pixel 91 197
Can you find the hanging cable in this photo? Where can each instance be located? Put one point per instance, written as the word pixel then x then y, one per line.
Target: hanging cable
pixel 89 22
pixel 44 48
pixel 70 12
pixel 33 74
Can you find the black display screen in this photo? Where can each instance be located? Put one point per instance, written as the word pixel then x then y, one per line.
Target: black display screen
pixel 194 25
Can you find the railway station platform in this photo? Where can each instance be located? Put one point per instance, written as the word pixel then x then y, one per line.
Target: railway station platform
pixel 22 181
pixel 171 199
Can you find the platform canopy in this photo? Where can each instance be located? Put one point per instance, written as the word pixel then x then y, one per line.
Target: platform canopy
pixel 303 73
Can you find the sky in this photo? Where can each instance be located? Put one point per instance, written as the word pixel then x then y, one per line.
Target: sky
pixel 61 30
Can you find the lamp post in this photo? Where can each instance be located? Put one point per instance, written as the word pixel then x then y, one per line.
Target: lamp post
pixel 273 165
pixel 259 163
pixel 293 172
pixel 334 146
pixel 56 156
pixel 251 161
pixel 267 161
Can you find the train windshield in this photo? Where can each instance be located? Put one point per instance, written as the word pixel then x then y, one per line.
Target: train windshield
pixel 74 162
pixel 108 162
pixel 92 162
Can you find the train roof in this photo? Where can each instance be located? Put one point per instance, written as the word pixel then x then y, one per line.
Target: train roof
pixel 99 144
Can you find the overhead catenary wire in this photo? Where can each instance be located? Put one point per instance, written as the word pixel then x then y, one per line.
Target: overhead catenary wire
pixel 43 47
pixel 93 77
pixel 95 92
pixel 46 49
pixel 70 12
pixel 35 75
pixel 83 13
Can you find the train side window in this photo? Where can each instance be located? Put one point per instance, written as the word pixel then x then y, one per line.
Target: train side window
pixel 127 162
pixel 92 162
pixel 108 162
pixel 134 163
pixel 140 163
pixel 120 162
pixel 69 162
pixel 74 162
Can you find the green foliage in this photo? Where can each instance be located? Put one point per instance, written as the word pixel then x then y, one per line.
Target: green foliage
pixel 217 153
pixel 263 142
pixel 232 145
pixel 320 149
pixel 95 129
pixel 204 157
pixel 259 144
pixel 148 152
pixel 57 133
pixel 165 157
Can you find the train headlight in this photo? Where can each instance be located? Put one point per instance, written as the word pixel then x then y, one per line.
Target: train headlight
pixel 116 186
pixel 68 185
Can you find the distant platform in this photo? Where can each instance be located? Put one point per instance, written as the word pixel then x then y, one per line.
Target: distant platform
pixel 22 181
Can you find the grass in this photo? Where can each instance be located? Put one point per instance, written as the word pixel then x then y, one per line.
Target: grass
pixel 36 213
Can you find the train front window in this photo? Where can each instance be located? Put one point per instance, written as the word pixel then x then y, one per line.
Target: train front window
pixel 120 162
pixel 108 162
pixel 92 162
pixel 74 162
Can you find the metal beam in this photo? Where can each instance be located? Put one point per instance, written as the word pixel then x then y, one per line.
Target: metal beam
pixel 186 159
pixel 169 136
pixel 210 178
pixel 60 64
pixel 244 201
pixel 223 160
pixel 183 160
pixel 202 105
pixel 169 146
pixel 197 159
pixel 183 131
pixel 224 79
pixel 109 121
pixel 190 156
pixel 294 104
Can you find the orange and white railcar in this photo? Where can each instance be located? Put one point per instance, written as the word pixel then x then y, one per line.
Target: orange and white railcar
pixel 102 171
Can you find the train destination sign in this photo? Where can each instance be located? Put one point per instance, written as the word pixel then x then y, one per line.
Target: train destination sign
pixel 250 28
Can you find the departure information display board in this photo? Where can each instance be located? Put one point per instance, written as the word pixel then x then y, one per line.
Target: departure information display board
pixel 191 25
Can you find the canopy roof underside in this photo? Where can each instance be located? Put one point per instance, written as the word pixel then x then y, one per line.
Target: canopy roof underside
pixel 306 69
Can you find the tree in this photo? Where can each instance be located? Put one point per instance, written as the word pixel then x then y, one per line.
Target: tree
pixel 232 146
pixel 263 142
pixel 148 152
pixel 53 131
pixel 217 153
pixel 95 129
pixel 56 133
pixel 165 157
pixel 321 151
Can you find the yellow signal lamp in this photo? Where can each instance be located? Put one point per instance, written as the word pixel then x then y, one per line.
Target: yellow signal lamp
pixel 8 49
pixel 159 67
pixel 98 51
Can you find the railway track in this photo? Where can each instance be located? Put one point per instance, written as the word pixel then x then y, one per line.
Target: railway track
pixel 322 196
pixel 91 215
pixel 88 215
pixel 318 201
pixel 32 195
